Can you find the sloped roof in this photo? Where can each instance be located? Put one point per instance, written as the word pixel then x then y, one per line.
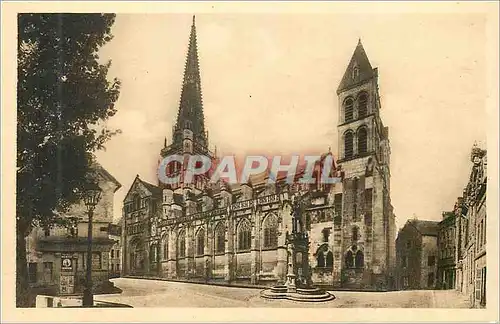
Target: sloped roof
pixel 425 227
pixel 155 190
pixel 365 71
pixel 95 165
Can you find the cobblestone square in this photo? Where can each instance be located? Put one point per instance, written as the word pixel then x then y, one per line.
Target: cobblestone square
pixel 157 293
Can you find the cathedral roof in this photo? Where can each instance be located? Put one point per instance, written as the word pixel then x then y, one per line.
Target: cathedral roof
pixel 359 61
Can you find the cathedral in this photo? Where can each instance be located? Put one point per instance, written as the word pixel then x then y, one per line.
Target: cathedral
pixel 235 234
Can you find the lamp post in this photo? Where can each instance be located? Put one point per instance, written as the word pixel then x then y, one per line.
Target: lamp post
pixel 91 198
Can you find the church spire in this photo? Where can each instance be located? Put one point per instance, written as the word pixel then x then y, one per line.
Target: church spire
pixel 190 115
pixel 358 70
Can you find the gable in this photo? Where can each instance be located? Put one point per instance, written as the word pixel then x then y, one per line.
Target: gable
pixel 359 61
pixel 137 187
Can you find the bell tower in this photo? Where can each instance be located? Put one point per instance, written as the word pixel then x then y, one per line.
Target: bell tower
pixel 364 151
pixel 188 135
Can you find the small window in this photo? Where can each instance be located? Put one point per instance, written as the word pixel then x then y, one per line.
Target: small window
pixel 408 245
pixel 112 253
pixel 117 253
pixel 355 72
pixel 47 232
pixel 404 262
pixel 355 234
pixel 326 234
pixel 431 260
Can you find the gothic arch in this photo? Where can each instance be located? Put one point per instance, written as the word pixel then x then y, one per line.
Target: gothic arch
pixel 181 243
pixel 200 241
pixel 321 254
pixel 354 258
pixel 220 237
pixel 244 235
pixel 270 231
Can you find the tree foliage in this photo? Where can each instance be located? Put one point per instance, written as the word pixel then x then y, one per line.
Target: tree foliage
pixel 63 96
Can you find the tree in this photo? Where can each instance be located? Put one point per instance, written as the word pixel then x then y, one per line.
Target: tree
pixel 63 97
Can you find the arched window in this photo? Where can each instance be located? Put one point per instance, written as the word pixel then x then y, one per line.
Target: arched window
pixel 349 259
pixel 320 258
pixel 181 244
pixel 362 140
pixel 329 259
pixel 348 110
pixel 270 227
pixel 165 247
pixel 200 242
pixel 153 256
pixel 137 202
pixel 360 260
pixel 220 238
pixel 244 235
pixel 348 144
pixel 362 105
pixel 355 234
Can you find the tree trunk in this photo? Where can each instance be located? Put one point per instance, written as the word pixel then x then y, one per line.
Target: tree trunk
pixel 22 287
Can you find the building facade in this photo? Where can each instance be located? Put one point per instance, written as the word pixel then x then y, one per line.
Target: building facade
pixel 416 253
pixel 56 256
pixel 471 224
pixel 236 234
pixel 115 255
pixel 447 251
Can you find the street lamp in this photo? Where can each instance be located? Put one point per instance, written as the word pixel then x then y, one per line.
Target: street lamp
pixel 91 197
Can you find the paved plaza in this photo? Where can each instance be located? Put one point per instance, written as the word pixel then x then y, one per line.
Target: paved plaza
pixel 157 293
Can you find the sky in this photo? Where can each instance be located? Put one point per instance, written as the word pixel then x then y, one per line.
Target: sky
pixel 269 86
